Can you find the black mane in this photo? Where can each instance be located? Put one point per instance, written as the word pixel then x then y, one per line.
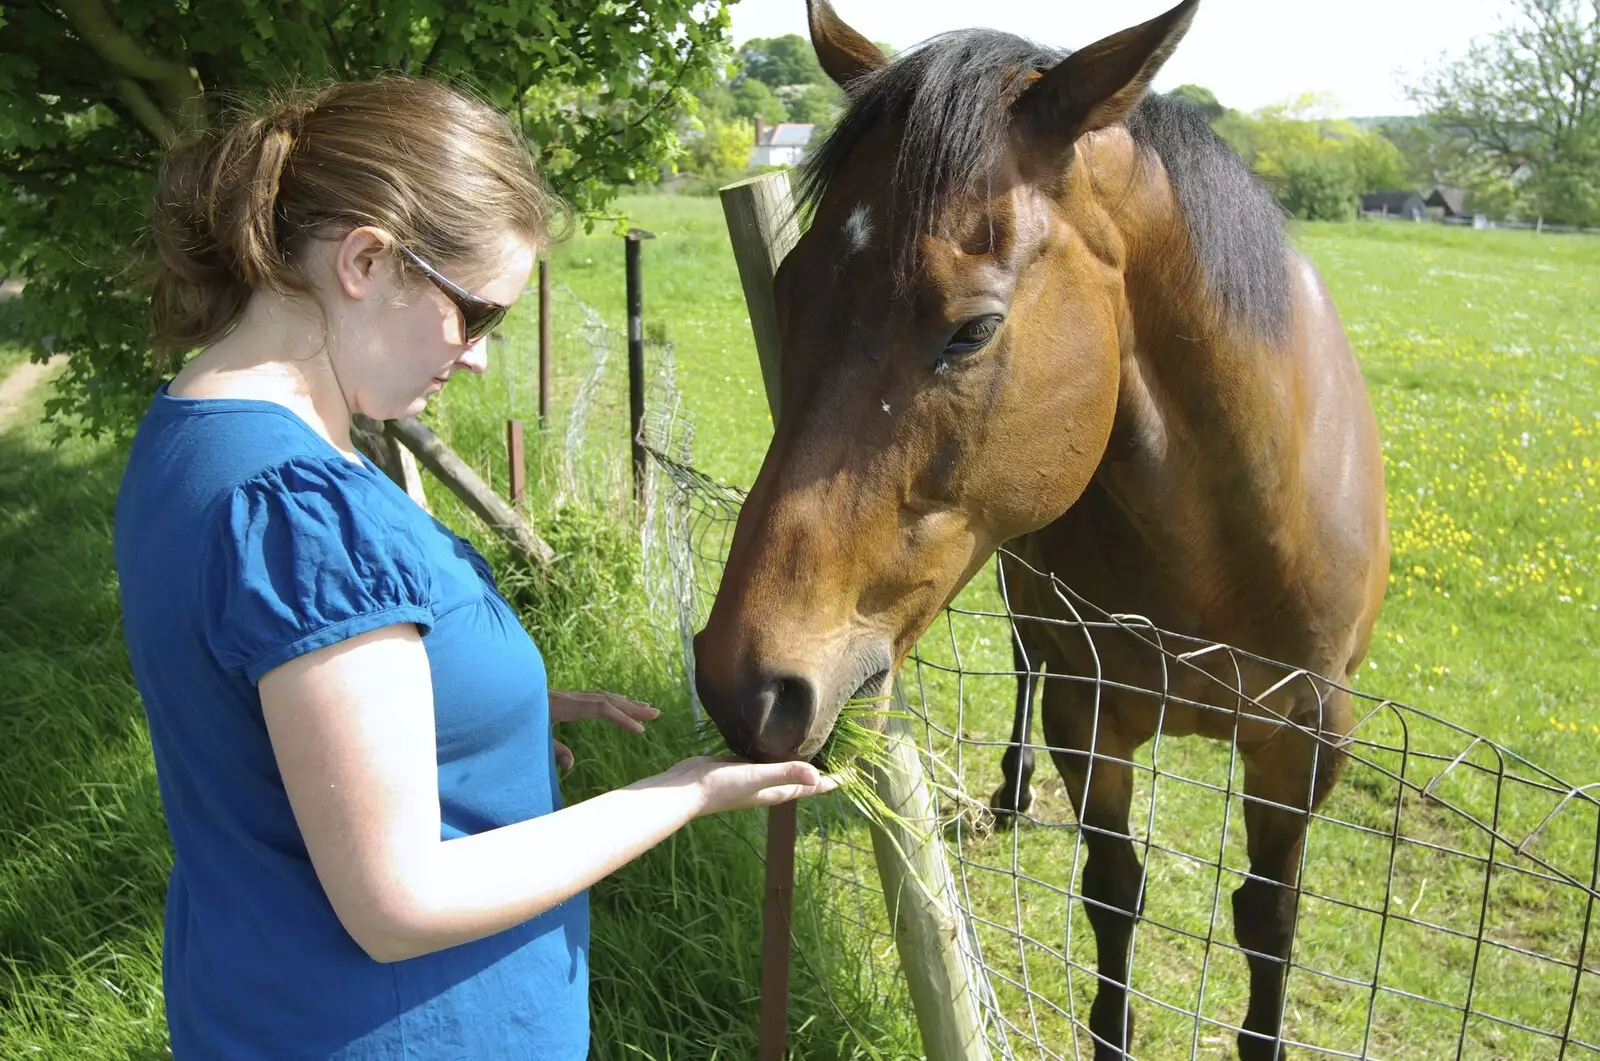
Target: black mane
pixel 954 95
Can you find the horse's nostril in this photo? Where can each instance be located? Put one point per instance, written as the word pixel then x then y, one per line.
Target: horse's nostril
pixel 785 707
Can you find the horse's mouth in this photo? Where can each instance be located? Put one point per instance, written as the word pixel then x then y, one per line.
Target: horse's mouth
pixel 875 687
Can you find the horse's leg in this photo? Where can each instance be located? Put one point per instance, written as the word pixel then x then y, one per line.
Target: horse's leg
pixel 1015 794
pixel 1293 772
pixel 1094 763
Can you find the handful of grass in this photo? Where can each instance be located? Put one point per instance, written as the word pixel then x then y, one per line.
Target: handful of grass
pixel 854 751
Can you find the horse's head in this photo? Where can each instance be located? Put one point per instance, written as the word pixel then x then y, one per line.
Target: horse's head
pixel 951 324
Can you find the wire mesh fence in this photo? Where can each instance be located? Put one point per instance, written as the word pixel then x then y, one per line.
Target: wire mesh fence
pixel 1446 887
pixel 589 428
pixel 1446 890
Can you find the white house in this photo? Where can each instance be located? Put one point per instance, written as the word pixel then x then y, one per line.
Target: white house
pixel 783 144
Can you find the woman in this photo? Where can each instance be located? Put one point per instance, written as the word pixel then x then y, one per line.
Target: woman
pixel 351 729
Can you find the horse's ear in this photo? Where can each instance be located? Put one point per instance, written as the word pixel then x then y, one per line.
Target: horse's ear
pixel 1097 86
pixel 844 54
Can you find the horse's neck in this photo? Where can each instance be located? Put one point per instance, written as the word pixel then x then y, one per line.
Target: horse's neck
pixel 1210 379
pixel 1201 394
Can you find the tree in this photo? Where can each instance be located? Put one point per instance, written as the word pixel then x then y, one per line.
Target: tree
pixel 1202 99
pixel 713 102
pixel 1376 162
pixel 812 103
pixel 779 61
pixel 721 149
pixel 1523 107
pixel 753 99
pixel 1318 186
pixel 93 90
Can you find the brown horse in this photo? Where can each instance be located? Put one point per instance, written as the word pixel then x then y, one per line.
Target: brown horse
pixel 1035 307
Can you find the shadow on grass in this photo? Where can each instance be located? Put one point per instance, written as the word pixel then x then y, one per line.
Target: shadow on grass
pixel 85 850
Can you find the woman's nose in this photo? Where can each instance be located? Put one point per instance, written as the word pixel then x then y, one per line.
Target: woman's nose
pixel 475 358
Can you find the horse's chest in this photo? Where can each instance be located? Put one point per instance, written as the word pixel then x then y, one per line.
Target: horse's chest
pixel 1163 556
pixel 1175 584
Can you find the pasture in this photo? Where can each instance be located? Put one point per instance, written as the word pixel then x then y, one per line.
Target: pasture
pixel 1479 349
pixel 1482 351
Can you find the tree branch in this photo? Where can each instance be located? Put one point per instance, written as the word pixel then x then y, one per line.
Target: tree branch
pixel 341 54
pixel 145 112
pixel 671 90
pixel 433 49
pixel 174 83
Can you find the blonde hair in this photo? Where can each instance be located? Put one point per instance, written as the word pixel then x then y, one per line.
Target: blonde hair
pixel 446 174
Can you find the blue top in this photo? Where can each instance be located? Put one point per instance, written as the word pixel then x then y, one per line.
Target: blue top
pixel 244 539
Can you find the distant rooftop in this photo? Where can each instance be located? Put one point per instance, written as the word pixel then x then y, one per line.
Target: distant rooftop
pixel 787 134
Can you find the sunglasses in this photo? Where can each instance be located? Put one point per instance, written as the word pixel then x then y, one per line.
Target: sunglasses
pixel 479 316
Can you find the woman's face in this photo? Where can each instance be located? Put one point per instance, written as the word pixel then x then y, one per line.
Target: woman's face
pixel 398 342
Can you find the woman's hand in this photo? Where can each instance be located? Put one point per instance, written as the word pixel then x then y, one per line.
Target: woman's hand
pixel 618 710
pixel 723 783
pixel 630 715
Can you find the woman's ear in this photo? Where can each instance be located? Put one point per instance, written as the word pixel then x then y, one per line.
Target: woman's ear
pixel 356 260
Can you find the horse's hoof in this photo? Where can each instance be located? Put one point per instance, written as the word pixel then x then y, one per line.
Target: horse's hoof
pixel 1005 812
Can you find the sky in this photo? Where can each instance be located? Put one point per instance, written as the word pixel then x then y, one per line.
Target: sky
pixel 1251 53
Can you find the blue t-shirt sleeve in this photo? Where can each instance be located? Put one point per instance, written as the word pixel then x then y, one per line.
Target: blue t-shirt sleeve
pixel 304 555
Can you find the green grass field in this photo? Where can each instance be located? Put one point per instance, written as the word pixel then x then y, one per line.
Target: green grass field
pixel 1481 352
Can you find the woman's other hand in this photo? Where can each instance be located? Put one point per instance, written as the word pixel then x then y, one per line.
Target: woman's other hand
pixel 621 712
pixel 630 715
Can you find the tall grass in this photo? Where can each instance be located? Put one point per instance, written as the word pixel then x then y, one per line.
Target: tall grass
pixel 84 852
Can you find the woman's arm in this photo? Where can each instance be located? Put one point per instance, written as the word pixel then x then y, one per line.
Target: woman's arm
pixel 352 728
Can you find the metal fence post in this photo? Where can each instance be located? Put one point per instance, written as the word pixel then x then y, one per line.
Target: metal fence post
pixel 636 358
pixel 544 341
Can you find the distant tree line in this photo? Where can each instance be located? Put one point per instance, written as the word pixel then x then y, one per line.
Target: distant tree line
pixel 1317 166
pixel 1515 123
pixel 1517 120
pixel 775 79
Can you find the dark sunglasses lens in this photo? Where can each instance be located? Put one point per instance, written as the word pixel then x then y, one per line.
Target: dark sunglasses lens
pixel 481 320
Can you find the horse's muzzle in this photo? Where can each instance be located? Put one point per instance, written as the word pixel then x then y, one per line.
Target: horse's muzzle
pixel 779 712
pixel 765 716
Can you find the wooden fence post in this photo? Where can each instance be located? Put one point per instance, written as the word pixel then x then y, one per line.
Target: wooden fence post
pixel 466 484
pixel 756 211
pixel 388 454
pixel 917 885
pixel 920 893
pixel 762 226
pixel 516 461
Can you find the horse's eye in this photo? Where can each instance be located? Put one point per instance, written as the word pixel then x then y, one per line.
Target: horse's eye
pixel 974 335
